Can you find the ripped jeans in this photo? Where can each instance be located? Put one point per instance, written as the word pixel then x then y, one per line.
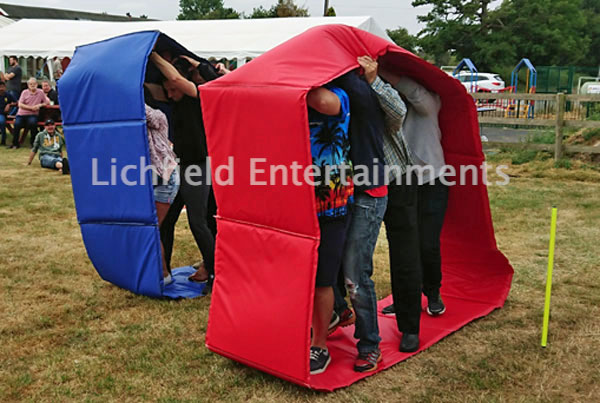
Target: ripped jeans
pixel 367 215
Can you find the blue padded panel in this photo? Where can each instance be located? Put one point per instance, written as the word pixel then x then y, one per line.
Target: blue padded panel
pixel 126 255
pixel 124 143
pixel 104 80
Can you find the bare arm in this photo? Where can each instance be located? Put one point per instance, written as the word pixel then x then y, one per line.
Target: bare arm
pixel 31 155
pixel 27 107
pixel 8 76
pixel 171 73
pixel 324 101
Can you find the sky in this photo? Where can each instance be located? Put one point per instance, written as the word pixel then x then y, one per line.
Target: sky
pixel 388 13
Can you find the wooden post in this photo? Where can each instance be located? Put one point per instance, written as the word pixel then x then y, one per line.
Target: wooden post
pixel 326 8
pixel 560 122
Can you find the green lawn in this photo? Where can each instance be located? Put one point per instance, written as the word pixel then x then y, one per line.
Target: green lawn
pixel 66 335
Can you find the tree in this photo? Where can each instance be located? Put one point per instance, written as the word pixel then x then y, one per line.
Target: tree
pixel 402 38
pixel 452 26
pixel 546 31
pixel 283 8
pixel 330 12
pixel 205 10
pixel 592 8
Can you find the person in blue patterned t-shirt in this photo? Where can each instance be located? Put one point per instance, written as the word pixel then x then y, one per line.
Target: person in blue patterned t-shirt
pixel 329 118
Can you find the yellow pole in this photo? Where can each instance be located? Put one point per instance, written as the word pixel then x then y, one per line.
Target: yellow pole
pixel 549 278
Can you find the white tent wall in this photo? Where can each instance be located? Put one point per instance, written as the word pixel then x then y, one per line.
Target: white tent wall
pixel 230 39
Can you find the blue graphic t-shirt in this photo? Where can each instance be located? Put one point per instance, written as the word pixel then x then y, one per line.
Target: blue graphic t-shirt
pixel 330 149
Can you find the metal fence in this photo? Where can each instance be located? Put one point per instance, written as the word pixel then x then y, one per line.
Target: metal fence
pixel 542 110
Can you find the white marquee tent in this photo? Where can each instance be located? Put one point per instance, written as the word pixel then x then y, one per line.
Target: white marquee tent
pixel 231 39
pixel 5 21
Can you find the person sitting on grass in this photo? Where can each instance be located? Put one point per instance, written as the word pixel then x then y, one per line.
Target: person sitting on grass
pixel 50 144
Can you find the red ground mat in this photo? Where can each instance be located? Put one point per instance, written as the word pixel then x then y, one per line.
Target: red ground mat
pixel 342 344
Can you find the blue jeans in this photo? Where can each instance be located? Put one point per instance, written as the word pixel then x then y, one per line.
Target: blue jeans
pixel 166 193
pixel 16 95
pixel 49 161
pixel 3 128
pixel 367 215
pixel 27 122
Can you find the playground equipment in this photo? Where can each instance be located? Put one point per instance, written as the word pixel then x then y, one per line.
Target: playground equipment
pixel 515 108
pixel 466 62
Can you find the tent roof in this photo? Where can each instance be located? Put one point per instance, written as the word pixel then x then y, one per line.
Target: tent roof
pixel 208 38
pixel 17 12
pixel 5 21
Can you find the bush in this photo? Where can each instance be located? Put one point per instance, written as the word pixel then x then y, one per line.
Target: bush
pixel 563 163
pixel 542 137
pixel 523 156
pixel 589 134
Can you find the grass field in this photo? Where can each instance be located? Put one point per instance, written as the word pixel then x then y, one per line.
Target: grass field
pixel 66 335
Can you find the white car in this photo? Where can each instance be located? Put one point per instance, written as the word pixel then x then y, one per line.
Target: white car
pixel 485 81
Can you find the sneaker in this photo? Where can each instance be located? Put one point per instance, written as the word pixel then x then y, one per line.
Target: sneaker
pixel 334 322
pixel 388 310
pixel 367 362
pixel 319 360
pixel 435 305
pixel 346 318
pixel 409 342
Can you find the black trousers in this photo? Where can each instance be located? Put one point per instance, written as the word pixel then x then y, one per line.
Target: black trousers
pixel 195 197
pixel 402 228
pixel 433 201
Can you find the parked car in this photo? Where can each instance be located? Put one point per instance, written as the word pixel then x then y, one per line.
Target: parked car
pixel 485 82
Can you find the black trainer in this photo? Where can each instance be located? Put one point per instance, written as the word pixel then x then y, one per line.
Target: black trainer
pixel 388 310
pixel 435 305
pixel 319 360
pixel 409 342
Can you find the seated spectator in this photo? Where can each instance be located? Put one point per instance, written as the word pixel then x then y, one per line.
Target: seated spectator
pixel 30 102
pixel 7 101
pixel 50 93
pixel 50 143
pixel 164 161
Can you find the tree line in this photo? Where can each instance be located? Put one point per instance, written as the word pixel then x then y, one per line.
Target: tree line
pixel 216 10
pixel 548 32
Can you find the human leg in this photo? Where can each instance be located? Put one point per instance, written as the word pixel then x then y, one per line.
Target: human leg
pixel 433 201
pixel 195 196
pixel 401 222
pixel 31 126
pixel 167 228
pixel 331 250
pixel 51 161
pixel 2 129
pixel 367 216
pixel 18 125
